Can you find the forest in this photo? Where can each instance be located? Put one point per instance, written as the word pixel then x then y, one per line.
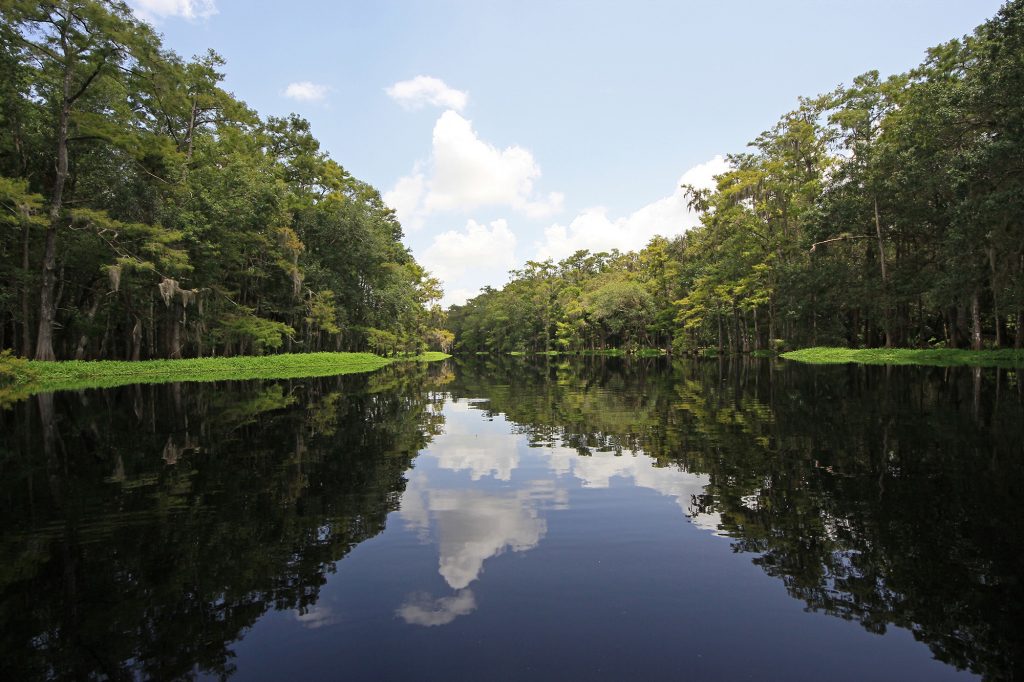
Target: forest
pixel 146 212
pixel 886 213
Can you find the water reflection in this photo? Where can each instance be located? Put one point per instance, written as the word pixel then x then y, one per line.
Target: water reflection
pixel 148 528
pixel 145 528
pixel 883 495
pixel 494 453
pixel 422 609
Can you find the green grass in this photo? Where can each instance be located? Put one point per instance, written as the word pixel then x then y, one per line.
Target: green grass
pixel 77 374
pixel 937 357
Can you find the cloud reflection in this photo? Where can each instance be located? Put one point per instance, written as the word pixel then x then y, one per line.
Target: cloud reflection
pixel 423 609
pixel 597 471
pixel 316 616
pixel 465 448
pixel 474 526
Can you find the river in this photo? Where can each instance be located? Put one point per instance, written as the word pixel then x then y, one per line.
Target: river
pixel 520 518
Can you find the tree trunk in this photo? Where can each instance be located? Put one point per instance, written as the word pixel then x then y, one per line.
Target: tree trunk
pixel 720 346
pixel 83 340
pixel 736 343
pixel 47 309
pixel 26 315
pixel 995 298
pixel 174 347
pixel 757 332
pixel 137 340
pixel 885 278
pixel 975 321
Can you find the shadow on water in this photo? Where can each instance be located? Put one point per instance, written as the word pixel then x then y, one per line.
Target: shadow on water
pixel 147 527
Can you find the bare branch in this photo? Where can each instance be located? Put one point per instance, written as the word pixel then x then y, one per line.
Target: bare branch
pixel 815 245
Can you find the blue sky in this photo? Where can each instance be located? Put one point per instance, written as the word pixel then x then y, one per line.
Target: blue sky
pixel 505 131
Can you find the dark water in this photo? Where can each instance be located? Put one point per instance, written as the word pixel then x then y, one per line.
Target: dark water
pixel 516 519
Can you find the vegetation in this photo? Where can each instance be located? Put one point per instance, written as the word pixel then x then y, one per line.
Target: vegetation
pixel 883 214
pixel 147 213
pixel 31 377
pixel 939 357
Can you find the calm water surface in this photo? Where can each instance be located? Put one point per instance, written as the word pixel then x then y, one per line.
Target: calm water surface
pixel 509 518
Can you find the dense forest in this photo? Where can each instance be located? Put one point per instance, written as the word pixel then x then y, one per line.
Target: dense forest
pixel 146 212
pixel 885 213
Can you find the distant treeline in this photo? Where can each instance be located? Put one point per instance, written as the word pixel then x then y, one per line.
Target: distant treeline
pixel 886 213
pixel 145 212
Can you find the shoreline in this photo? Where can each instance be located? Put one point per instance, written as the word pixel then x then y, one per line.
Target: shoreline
pixel 61 375
pixel 928 357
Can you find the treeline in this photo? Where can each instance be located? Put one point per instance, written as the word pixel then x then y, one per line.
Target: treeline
pixel 146 212
pixel 886 213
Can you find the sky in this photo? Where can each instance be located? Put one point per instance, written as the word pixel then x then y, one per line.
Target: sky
pixel 508 131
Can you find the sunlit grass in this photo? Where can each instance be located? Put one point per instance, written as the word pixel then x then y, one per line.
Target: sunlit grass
pixel 938 357
pixel 78 374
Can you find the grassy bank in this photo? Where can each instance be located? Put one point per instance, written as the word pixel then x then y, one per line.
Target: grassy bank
pixel 35 377
pixel 937 357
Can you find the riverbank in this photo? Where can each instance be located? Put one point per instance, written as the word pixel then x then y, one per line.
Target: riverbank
pixel 935 357
pixel 36 377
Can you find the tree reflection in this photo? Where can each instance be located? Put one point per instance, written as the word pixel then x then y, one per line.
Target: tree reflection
pixel 149 526
pixel 888 496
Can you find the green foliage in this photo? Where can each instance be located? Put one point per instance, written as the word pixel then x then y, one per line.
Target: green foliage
pixel 14 370
pixel 382 342
pixel 165 177
pixel 251 332
pixel 883 213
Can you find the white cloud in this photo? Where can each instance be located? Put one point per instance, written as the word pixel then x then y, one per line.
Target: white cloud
pixel 475 252
pixel 593 229
pixel 406 197
pixel 422 609
pixel 153 10
pixel 465 173
pixel 458 296
pixel 422 90
pixel 306 91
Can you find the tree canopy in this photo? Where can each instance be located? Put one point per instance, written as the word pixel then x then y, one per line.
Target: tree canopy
pixel 147 212
pixel 886 212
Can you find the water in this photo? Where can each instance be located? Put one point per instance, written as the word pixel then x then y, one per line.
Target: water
pixel 508 518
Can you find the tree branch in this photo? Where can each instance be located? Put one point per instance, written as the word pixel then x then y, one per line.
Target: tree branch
pixel 815 245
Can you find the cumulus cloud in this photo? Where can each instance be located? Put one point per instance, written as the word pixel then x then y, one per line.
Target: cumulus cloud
pixel 465 172
pixel 154 10
pixel 306 91
pixel 406 198
pixel 423 90
pixel 422 609
pixel 595 230
pixel 474 252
